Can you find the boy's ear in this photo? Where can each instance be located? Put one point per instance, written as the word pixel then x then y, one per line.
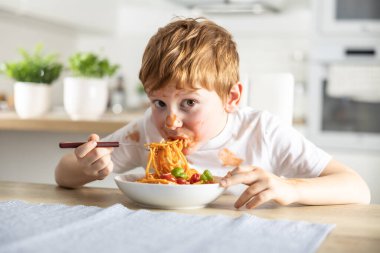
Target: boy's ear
pixel 233 98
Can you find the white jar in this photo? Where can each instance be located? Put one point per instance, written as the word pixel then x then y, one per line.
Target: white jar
pixel 32 99
pixel 85 98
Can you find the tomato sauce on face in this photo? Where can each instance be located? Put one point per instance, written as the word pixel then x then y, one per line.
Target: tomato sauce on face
pixel 170 120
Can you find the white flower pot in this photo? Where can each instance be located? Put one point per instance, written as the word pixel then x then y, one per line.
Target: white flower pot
pixel 85 98
pixel 32 99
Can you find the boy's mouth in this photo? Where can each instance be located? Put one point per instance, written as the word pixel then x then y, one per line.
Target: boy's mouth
pixel 186 142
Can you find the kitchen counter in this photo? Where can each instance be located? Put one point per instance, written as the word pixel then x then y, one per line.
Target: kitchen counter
pixel 357 226
pixel 58 121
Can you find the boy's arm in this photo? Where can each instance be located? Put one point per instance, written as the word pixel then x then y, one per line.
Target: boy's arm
pixel 86 164
pixel 70 174
pixel 337 184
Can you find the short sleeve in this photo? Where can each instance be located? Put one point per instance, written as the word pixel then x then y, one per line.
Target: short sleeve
pixel 130 153
pixel 292 155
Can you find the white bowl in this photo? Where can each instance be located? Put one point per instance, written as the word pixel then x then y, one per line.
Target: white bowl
pixel 167 196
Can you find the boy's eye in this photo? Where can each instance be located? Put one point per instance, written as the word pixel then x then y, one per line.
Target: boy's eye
pixel 188 103
pixel 159 104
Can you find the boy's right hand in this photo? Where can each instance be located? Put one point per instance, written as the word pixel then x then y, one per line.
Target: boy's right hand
pixel 96 162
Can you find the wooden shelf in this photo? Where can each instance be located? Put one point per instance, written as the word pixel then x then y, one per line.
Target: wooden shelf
pixel 60 122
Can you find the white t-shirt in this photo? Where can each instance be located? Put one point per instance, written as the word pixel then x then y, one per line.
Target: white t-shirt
pixel 253 137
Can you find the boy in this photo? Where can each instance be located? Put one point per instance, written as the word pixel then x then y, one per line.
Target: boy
pixel 190 71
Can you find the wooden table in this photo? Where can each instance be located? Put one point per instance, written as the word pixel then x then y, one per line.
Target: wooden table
pixel 357 230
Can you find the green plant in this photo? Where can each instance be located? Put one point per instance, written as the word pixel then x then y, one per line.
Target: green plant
pixel 90 65
pixel 140 89
pixel 35 67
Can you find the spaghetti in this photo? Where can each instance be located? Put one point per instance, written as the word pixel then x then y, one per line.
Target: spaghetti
pixel 168 165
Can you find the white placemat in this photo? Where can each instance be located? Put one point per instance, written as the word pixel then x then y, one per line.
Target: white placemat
pixel 26 227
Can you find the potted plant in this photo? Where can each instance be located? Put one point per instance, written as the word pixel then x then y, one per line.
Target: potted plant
pixel 34 75
pixel 86 91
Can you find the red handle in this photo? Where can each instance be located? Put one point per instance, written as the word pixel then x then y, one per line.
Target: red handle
pixel 104 144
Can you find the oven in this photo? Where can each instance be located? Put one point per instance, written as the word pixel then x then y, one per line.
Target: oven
pixel 344 97
pixel 344 76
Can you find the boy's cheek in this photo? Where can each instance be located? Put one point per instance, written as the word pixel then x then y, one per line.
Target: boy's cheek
pixel 203 132
pixel 157 121
pixel 207 128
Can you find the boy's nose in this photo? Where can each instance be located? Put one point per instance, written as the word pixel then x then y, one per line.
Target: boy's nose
pixel 172 122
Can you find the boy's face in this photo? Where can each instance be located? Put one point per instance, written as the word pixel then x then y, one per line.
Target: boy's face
pixel 196 115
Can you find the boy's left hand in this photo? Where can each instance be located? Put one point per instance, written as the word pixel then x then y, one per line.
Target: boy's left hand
pixel 262 187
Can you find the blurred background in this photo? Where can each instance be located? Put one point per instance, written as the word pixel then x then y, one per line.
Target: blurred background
pixel 331 47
